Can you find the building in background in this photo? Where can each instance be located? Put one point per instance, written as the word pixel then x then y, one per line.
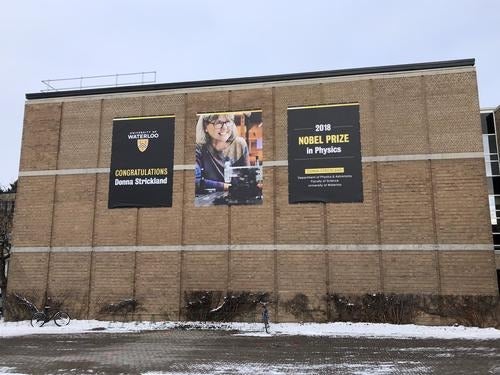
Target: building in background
pixel 489 121
pixel 291 187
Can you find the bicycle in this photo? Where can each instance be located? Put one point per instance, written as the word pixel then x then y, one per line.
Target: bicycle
pixel 265 317
pixel 39 318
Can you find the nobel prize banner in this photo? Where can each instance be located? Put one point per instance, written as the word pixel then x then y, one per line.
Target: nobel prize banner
pixel 324 154
pixel 142 158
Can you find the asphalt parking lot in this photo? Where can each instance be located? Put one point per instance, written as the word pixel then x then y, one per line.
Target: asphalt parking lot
pixel 220 352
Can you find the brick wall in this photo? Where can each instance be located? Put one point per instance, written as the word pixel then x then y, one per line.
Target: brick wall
pixel 157 284
pixel 373 245
pixel 40 141
pixel 301 273
pixel 68 281
pixel 73 210
pixel 355 272
pixel 112 280
pixel 28 275
pixel 80 134
pixel 33 215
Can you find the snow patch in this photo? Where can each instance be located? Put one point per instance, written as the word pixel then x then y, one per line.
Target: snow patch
pixel 370 330
pixel 9 371
pixel 368 368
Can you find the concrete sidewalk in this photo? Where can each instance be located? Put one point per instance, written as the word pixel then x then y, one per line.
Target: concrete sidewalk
pixel 219 352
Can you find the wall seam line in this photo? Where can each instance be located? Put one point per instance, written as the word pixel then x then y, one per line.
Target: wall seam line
pixel 51 240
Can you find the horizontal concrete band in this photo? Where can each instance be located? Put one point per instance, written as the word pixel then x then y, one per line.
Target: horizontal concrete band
pixel 275 163
pixel 263 247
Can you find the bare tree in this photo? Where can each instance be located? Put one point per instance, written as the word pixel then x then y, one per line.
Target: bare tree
pixel 5 245
pixel 12 188
pixel 5 231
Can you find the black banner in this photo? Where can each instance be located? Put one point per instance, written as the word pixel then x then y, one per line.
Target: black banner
pixel 324 154
pixel 142 159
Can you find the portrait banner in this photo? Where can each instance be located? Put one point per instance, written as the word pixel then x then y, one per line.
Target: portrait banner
pixel 229 156
pixel 142 160
pixel 324 154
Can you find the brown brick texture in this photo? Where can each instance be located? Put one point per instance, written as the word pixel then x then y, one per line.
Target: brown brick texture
pixel 355 223
pixel 203 225
pixel 157 285
pixel 33 212
pixel 301 273
pixel 162 225
pixel 406 204
pixel 453 112
pixel 68 282
pixel 80 129
pixel 74 210
pixel 112 227
pixel 405 199
pixel 410 272
pixel 28 276
pixel 461 201
pixel 251 271
pixel 400 116
pixel 468 273
pixel 40 142
pixel 296 223
pixel 205 270
pixel 354 272
pixel 112 281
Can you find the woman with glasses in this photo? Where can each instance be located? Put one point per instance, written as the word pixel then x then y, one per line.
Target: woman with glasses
pixel 217 145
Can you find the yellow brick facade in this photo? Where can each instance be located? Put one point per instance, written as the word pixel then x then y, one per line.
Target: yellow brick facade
pixel 423 227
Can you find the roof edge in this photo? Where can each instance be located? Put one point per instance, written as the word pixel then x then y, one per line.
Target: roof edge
pixel 256 79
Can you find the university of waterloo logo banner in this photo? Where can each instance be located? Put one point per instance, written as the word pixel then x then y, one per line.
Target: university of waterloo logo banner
pixel 142 160
pixel 142 144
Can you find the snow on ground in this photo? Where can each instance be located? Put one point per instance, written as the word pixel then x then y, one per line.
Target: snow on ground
pixel 9 371
pixel 23 328
pixel 220 368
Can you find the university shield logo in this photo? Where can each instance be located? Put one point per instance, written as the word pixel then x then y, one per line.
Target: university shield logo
pixel 142 144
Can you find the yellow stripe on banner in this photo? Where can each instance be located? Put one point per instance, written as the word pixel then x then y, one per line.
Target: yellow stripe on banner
pixel 323 170
pixel 142 117
pixel 227 113
pixel 323 106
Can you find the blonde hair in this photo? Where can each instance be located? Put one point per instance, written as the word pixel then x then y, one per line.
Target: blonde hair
pixel 203 120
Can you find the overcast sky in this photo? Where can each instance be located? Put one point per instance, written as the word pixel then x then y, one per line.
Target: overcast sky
pixel 195 40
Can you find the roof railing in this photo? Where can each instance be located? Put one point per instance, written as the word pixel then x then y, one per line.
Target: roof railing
pixel 90 82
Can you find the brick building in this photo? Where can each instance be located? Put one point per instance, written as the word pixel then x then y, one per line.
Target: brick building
pixel 423 226
pixel 490 117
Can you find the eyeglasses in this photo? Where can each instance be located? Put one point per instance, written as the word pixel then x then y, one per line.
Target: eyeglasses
pixel 219 125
